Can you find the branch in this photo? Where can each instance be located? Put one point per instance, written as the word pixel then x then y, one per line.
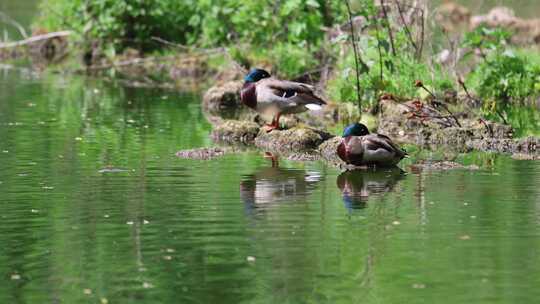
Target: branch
pixel 406 27
pixel 187 48
pixel 390 34
pixel 356 58
pixel 7 19
pixel 35 39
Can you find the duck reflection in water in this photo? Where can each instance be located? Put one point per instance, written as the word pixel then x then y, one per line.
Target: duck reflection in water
pixel 357 186
pixel 268 186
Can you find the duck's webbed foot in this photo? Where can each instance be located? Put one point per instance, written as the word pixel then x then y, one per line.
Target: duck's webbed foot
pixel 269 128
pixel 274 125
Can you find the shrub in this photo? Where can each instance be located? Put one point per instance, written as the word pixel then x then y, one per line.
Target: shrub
pixel 503 76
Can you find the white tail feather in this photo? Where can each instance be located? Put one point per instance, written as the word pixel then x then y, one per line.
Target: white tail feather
pixel 313 107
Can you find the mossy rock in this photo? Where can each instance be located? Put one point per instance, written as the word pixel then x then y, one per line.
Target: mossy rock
pixel 291 140
pixel 528 145
pixel 223 96
pixel 440 166
pixel 328 151
pixel 235 131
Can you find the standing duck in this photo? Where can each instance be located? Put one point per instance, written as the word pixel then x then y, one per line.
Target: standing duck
pixel 360 148
pixel 268 95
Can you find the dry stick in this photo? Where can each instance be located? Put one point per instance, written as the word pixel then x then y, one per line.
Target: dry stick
pixel 390 34
pixel 35 39
pixel 187 48
pixel 406 27
pixel 421 85
pixel 422 37
pixel 379 49
pixel 356 58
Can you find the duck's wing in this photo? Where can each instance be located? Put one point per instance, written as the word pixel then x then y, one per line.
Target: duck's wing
pixel 379 141
pixel 289 91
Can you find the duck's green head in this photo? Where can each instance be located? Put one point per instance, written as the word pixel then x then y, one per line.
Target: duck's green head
pixel 255 75
pixel 356 129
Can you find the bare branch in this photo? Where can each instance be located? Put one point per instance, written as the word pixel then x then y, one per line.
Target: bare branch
pixel 35 39
pixel 7 19
pixel 356 58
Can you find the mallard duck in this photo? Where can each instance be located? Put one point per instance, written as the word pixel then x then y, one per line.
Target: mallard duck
pixel 360 148
pixel 268 95
pixel 357 186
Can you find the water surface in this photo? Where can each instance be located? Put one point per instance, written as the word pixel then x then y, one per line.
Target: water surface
pixel 94 205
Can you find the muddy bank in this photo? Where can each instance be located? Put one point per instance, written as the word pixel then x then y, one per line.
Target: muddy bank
pixel 419 123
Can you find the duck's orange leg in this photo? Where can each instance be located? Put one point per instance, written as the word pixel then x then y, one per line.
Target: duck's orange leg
pixel 275 123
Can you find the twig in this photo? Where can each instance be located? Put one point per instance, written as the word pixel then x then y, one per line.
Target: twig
pixel 7 19
pixel 422 37
pixel 135 61
pixel 390 34
pixel 356 58
pixel 419 84
pixel 35 39
pixel 187 48
pixel 488 127
pixel 379 50
pixel 462 84
pixel 406 27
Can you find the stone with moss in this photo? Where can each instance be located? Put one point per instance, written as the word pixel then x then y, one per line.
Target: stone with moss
pixel 328 151
pixel 440 165
pixel 223 96
pixel 235 131
pixel 299 138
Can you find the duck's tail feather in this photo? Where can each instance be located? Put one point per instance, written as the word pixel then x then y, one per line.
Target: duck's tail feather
pixel 313 107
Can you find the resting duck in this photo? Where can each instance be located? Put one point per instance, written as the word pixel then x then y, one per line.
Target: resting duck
pixel 268 95
pixel 360 148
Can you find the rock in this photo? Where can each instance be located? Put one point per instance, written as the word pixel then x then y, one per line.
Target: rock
pixel 235 131
pixel 328 151
pixel 291 140
pixel 524 156
pixel 417 123
pixel 452 17
pixel 223 96
pixel 525 31
pixel 528 145
pixel 440 165
pixel 201 153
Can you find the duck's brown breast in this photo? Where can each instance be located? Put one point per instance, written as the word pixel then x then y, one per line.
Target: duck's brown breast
pixel 248 95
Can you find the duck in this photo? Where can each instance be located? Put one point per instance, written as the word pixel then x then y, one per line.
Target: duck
pixel 268 95
pixel 360 148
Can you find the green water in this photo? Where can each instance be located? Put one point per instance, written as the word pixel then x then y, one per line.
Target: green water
pixel 95 208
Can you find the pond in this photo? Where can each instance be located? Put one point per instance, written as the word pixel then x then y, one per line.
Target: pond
pixel 96 208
